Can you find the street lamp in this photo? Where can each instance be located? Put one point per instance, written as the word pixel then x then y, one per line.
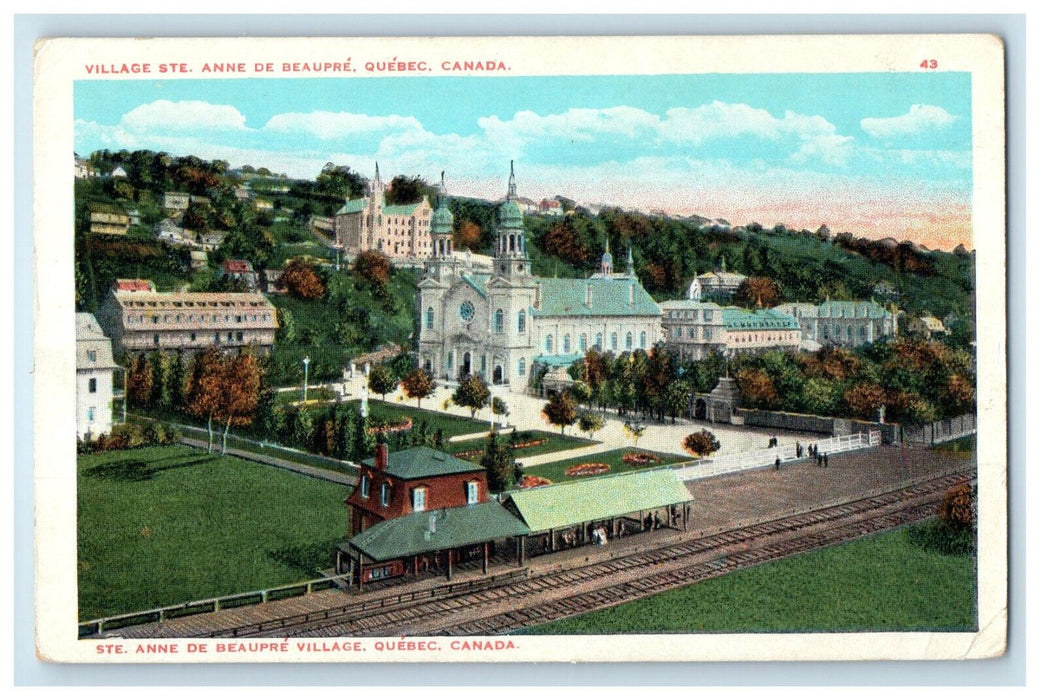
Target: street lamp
pixel 305 382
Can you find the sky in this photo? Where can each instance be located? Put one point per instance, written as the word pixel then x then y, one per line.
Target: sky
pixel 877 154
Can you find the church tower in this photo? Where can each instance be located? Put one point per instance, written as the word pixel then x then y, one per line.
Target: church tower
pixel 373 223
pixel 510 258
pixel 606 262
pixel 512 294
pixel 442 265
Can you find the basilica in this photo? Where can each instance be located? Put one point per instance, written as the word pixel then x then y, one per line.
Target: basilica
pixel 505 323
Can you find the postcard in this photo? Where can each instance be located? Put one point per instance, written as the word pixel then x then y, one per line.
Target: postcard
pixel 672 348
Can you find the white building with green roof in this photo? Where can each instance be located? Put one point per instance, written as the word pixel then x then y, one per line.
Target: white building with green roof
pixel 399 231
pixel 695 329
pixel 843 323
pixel 503 324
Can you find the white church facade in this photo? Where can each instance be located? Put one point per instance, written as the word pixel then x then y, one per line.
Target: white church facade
pixel 503 324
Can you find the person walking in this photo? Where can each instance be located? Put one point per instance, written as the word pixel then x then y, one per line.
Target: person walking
pixel 826 465
pixel 777 463
pixel 799 450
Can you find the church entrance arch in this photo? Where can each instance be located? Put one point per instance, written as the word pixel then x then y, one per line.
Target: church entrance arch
pixel 467 364
pixel 497 376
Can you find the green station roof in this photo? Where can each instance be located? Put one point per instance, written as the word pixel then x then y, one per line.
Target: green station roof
pixel 422 462
pixel 563 505
pixel 454 527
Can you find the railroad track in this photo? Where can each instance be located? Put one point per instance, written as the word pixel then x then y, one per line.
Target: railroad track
pixel 584 587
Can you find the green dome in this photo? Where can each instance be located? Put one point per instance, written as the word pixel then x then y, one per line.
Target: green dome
pixel 509 215
pixel 443 221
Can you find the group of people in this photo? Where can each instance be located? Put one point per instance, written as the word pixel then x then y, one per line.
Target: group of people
pixel 812 453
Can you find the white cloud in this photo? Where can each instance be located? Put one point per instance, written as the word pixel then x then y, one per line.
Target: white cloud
pixel 330 126
pixel 919 119
pixel 583 125
pixel 717 120
pixel 182 117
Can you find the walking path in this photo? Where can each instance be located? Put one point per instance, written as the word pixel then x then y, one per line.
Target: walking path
pixel 325 474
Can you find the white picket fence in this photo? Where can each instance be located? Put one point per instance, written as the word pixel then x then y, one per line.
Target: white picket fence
pixel 755 459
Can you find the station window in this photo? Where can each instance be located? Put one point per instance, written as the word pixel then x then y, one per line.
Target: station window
pixel 643 339
pixel 549 344
pixel 521 367
pixel 430 318
pixel 521 322
pixel 384 493
pixel 365 486
pixel 614 341
pixel 418 499
pixel 628 341
pixel 472 492
pixel 499 321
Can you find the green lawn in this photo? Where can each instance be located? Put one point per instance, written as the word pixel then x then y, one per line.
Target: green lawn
pixel 881 583
pixel 451 425
pixel 551 442
pixel 165 525
pixel 964 445
pixel 555 471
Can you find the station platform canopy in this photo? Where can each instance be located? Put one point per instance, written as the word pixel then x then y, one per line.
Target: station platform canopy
pixel 565 505
pixel 556 360
pixel 452 528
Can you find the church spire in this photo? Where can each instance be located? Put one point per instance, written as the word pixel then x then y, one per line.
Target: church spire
pixel 511 195
pixel 629 268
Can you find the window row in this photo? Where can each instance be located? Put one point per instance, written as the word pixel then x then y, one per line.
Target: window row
pixel 583 342
pixel 230 337
pixel 419 494
pixel 497 324
pixel 202 318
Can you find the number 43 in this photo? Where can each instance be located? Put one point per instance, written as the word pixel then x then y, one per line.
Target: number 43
pixel 929 63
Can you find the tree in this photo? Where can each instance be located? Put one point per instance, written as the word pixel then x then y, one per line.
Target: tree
pixel 561 411
pixel 499 462
pixel 373 268
pixel 864 400
pixel 285 333
pixel 301 426
pixel 381 381
pixel 758 291
pixel 302 281
pixel 957 508
pixel 701 444
pixel 406 190
pixel 140 382
pixel 591 423
pixel 206 389
pixel 472 393
pixel 499 407
pixel 757 389
pixel 467 235
pixel 418 384
pixel 159 397
pixel 635 430
pixel 242 379
pixel 676 398
pixel 176 381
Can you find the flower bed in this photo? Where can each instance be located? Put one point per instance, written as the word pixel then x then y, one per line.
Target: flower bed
pixel 529 443
pixel 640 458
pixel 588 469
pixel 403 425
pixel 530 481
pixel 468 454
